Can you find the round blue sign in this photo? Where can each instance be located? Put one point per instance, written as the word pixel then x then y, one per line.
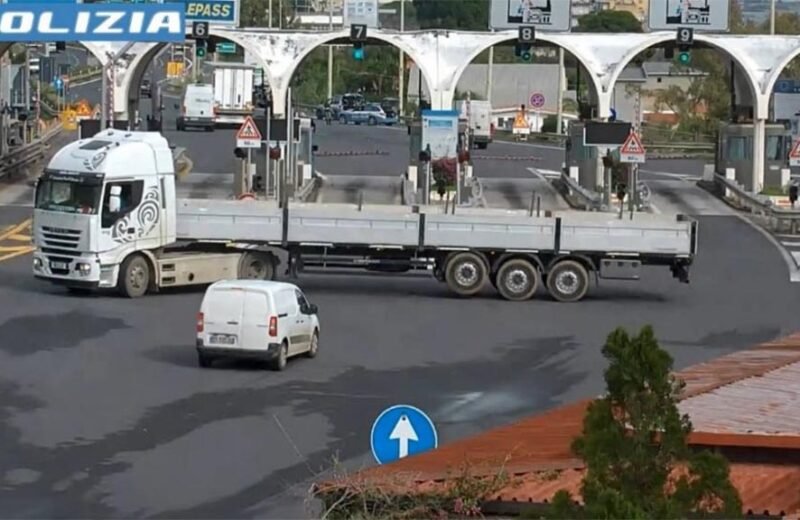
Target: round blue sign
pixel 400 431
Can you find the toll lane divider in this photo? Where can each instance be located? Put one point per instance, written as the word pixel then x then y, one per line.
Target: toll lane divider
pixel 351 153
pixel 24 155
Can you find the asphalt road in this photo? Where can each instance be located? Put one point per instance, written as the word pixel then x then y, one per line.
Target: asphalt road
pixel 104 412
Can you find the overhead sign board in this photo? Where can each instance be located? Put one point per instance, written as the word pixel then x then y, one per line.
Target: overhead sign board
pixel 215 12
pixel 701 15
pixel 597 133
pixel 226 48
pixel 545 15
pixel 361 12
pixel 41 22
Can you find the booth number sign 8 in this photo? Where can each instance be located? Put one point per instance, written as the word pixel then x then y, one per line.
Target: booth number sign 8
pixel 527 34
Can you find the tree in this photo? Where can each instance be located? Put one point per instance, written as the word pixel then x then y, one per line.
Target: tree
pixel 469 15
pixel 609 21
pixel 634 444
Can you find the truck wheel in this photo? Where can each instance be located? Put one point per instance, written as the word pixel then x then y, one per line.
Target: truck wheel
pixel 134 277
pixel 279 363
pixel 568 281
pixel 256 265
pixel 466 274
pixel 517 280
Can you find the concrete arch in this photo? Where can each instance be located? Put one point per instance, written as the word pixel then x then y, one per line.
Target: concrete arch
pixel 778 70
pixel 663 37
pixel 383 36
pixel 138 66
pixel 506 36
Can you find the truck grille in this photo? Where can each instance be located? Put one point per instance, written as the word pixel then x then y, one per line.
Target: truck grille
pixel 60 240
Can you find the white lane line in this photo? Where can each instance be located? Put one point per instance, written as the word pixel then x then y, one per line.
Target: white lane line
pixel 543 174
pixel 681 176
pixel 530 145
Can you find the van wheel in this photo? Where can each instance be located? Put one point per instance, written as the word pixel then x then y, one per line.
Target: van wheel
pixel 568 281
pixel 134 277
pixel 313 349
pixel 279 363
pixel 205 361
pixel 256 265
pixel 517 280
pixel 466 274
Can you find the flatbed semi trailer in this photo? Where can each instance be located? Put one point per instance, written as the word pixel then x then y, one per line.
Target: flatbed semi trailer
pixel 99 223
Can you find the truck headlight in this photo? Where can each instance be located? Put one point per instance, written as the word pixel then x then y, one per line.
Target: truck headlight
pixel 84 269
pixel 37 264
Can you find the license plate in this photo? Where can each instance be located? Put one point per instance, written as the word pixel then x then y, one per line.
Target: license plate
pixel 223 339
pixel 59 265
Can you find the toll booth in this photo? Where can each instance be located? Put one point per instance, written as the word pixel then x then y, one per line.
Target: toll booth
pixel 582 156
pixel 735 150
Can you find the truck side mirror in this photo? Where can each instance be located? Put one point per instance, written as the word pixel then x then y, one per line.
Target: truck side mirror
pixel 114 200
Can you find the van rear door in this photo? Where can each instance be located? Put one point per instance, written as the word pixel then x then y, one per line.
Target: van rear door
pixel 222 310
pixel 255 321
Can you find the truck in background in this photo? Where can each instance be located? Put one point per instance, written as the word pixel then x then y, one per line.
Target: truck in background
pixel 106 215
pixel 233 92
pixel 478 116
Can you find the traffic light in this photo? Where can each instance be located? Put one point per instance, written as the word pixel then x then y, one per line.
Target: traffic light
pixel 358 51
pixel 61 46
pixel 684 56
pixel 200 49
pixel 258 183
pixel 793 194
pixel 621 191
pixel 523 51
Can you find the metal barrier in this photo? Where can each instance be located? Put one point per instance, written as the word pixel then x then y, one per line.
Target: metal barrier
pixel 308 189
pixel 477 199
pixel 759 205
pixel 23 155
pixel 589 200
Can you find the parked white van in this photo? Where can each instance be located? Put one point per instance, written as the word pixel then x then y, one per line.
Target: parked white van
pixel 198 108
pixel 256 319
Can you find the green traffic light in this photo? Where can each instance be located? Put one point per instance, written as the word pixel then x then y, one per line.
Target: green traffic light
pixel 685 58
pixel 526 56
pixel 358 53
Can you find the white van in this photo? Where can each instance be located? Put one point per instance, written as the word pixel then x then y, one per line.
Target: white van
pixel 256 319
pixel 198 109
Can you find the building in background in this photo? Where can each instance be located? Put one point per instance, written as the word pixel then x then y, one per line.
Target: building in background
pixel 582 8
pixel 757 11
pixel 637 8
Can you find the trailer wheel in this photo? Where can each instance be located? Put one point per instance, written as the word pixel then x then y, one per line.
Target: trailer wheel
pixel 517 280
pixel 568 281
pixel 466 274
pixel 134 277
pixel 256 265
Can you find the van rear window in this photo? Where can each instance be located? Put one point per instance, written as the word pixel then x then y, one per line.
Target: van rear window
pixel 224 304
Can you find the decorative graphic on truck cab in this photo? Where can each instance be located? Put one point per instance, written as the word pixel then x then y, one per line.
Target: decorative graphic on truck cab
pixel 143 220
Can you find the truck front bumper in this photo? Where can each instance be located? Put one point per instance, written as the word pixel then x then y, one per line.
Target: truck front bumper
pixel 82 271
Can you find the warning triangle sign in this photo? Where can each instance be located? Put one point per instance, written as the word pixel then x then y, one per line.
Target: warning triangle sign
pixel 633 145
pixel 249 130
pixel 795 153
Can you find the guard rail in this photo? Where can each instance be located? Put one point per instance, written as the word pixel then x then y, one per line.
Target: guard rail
pixel 759 205
pixel 587 200
pixel 308 189
pixel 23 155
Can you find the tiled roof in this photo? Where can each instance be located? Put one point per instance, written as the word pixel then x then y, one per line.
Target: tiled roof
pixel 746 400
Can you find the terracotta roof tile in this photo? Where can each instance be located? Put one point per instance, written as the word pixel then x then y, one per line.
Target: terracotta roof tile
pixel 748 398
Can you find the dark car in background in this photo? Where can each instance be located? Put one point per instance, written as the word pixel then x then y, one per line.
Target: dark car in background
pixel 146 89
pixel 391 107
pixel 337 104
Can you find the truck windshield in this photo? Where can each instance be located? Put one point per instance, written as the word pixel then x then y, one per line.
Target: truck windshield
pixel 73 193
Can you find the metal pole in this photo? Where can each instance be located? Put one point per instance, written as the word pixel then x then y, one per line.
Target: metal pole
pixel 267 180
pixel 772 17
pixel 330 50
pixel 39 102
pixel 108 67
pixel 290 169
pixel 280 14
pixel 560 94
pixel 489 74
pixel 195 64
pixel 402 68
pixel 26 91
pixel 248 182
pixel 270 14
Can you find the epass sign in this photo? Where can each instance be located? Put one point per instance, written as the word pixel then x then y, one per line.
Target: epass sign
pixel 42 22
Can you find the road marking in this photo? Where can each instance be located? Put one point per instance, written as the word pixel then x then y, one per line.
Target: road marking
pixel 15 229
pixel 530 145
pixel 543 174
pixel 20 252
pixel 681 176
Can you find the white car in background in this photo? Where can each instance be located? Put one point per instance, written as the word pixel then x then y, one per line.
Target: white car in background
pixel 256 319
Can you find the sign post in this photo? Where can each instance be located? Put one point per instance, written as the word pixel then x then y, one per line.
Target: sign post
pixel 248 136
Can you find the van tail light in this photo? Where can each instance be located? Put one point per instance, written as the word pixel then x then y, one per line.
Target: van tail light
pixel 273 326
pixel 200 322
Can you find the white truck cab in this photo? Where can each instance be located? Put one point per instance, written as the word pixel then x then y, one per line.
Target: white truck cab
pixel 99 200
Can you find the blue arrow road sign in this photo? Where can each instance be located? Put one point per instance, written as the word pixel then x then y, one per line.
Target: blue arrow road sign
pixel 400 431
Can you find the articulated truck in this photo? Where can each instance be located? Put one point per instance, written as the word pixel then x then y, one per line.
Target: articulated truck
pixel 107 216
